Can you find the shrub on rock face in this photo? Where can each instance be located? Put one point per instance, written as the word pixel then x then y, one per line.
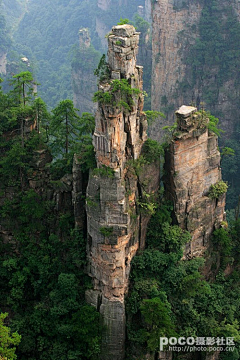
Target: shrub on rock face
pixel 217 189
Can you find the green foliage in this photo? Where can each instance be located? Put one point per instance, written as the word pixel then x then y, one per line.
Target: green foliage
pixel 137 166
pixel 147 203
pixel 157 317
pixel 42 276
pixel 227 151
pixel 23 86
pixel 141 25
pixel 169 297
pixel 217 190
pixel 104 171
pixel 120 94
pixel 63 127
pixel 102 71
pixel 86 331
pixel 106 231
pixel 153 115
pixel 123 21
pixel 44 282
pixel 170 129
pixel 152 150
pixel 102 97
pixel 42 115
pixel 213 124
pixel 223 241
pixel 8 341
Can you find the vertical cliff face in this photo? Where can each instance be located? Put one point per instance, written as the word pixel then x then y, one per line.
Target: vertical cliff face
pixel 115 229
pixel 192 166
pixel 83 78
pixel 190 61
pixel 170 19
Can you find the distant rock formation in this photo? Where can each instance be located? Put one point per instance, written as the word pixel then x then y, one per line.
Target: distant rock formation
pixel 175 79
pixel 83 78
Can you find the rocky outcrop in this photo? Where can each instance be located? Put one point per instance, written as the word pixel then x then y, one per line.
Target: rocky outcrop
pixel 192 165
pixel 115 228
pixel 177 43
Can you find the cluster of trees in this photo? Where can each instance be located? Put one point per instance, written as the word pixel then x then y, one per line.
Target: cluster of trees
pixel 170 297
pixel 42 276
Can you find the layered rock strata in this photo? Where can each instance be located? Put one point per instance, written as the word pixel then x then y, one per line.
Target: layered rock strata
pixel 192 165
pixel 115 228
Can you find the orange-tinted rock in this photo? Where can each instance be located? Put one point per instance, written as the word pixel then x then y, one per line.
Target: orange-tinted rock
pixel 115 228
pixel 192 166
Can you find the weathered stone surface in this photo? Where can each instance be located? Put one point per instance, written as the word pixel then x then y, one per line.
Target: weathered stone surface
pixel 192 166
pixel 123 30
pixel 115 229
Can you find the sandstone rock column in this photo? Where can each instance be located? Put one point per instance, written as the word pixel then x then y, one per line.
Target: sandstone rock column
pixel 192 165
pixel 114 227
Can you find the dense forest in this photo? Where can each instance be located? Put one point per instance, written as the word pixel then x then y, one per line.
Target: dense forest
pixel 42 267
pixel 43 262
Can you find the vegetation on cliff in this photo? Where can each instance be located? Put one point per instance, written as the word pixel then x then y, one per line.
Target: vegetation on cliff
pixel 169 297
pixel 43 256
pixel 8 340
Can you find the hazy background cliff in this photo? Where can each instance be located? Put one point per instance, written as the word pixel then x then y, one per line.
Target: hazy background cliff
pixel 196 58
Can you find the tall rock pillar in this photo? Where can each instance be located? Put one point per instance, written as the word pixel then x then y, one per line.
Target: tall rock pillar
pixel 114 226
pixel 192 165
